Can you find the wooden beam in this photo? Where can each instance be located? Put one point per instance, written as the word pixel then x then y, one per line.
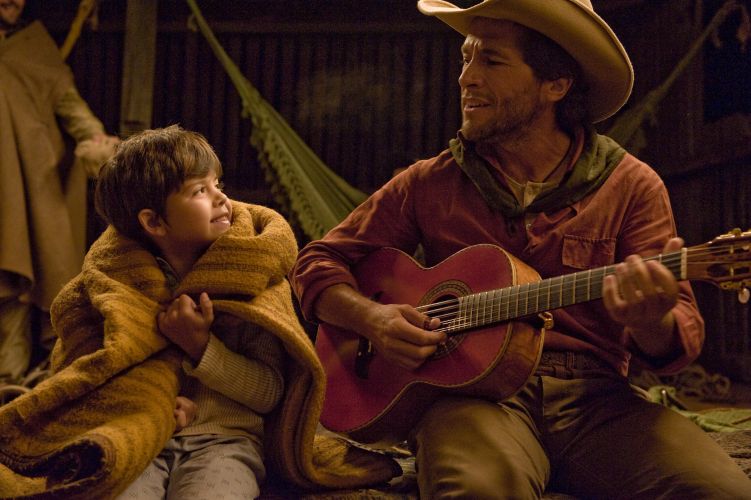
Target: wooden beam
pixel 138 66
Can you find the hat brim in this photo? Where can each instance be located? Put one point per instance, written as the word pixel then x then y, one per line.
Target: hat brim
pixel 579 30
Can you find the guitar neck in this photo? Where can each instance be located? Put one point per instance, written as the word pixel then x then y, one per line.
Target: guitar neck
pixel 504 304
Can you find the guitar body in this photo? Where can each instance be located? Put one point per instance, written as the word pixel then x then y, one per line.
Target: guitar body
pixel 372 400
pixel 490 362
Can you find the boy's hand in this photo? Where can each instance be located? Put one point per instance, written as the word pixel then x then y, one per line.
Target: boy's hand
pixel 185 412
pixel 187 324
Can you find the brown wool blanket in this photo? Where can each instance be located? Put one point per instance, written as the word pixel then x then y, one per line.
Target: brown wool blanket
pixel 106 412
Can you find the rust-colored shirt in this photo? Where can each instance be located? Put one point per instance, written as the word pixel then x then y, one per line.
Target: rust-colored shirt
pixel 433 203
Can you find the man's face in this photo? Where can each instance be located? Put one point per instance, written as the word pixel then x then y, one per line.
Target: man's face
pixel 10 11
pixel 500 95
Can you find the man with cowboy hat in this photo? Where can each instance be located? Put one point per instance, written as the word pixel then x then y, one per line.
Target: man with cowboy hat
pixel 529 174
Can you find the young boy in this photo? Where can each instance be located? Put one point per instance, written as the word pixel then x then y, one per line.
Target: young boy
pixel 162 190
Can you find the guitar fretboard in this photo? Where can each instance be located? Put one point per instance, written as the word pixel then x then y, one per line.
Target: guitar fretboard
pixel 504 304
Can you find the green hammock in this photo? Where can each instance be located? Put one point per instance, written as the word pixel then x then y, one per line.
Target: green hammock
pixel 315 196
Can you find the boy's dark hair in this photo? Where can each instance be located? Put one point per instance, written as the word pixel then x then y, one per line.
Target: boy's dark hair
pixel 145 170
pixel 549 61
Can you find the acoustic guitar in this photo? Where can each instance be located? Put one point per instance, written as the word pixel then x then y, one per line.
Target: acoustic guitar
pixel 483 296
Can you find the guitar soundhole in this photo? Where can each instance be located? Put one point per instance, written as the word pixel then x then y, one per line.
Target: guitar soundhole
pixel 441 298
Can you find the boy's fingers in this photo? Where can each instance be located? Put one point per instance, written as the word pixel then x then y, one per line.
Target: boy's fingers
pixel 207 307
pixel 186 303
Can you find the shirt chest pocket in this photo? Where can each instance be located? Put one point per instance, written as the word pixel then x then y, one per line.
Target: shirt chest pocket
pixel 582 252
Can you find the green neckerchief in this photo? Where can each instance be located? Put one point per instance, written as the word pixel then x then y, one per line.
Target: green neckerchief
pixel 599 157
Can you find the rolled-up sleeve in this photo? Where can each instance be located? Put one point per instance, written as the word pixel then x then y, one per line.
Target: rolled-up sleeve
pixel 385 219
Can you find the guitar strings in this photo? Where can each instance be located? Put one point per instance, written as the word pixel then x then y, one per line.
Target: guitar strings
pixel 667 259
pixel 449 310
pixel 464 322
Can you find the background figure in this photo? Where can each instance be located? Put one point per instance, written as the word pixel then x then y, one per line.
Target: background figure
pixel 43 192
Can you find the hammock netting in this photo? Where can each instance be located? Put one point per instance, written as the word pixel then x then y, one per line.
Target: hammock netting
pixel 306 189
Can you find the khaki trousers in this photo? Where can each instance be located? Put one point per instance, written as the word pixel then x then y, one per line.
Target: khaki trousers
pixel 586 433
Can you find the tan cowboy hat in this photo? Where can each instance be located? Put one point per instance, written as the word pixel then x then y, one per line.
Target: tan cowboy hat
pixel 572 24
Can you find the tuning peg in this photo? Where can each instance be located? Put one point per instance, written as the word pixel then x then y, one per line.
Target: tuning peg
pixel 743 295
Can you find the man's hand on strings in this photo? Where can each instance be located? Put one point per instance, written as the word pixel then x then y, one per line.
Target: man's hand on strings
pixel 402 335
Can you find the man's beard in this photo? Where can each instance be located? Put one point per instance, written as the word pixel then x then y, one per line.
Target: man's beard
pixel 511 122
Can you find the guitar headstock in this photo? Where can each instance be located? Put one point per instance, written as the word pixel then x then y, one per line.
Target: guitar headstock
pixel 724 261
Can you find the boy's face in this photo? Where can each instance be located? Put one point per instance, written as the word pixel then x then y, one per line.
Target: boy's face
pixel 198 213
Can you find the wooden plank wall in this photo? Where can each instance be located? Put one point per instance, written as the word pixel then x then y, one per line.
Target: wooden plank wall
pixel 139 43
pixel 374 87
pixel 357 93
pixel 357 99
pixel 706 164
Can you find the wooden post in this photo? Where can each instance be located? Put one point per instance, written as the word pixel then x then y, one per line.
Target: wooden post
pixel 138 66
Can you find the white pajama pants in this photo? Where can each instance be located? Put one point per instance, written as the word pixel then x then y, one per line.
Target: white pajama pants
pixel 203 467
